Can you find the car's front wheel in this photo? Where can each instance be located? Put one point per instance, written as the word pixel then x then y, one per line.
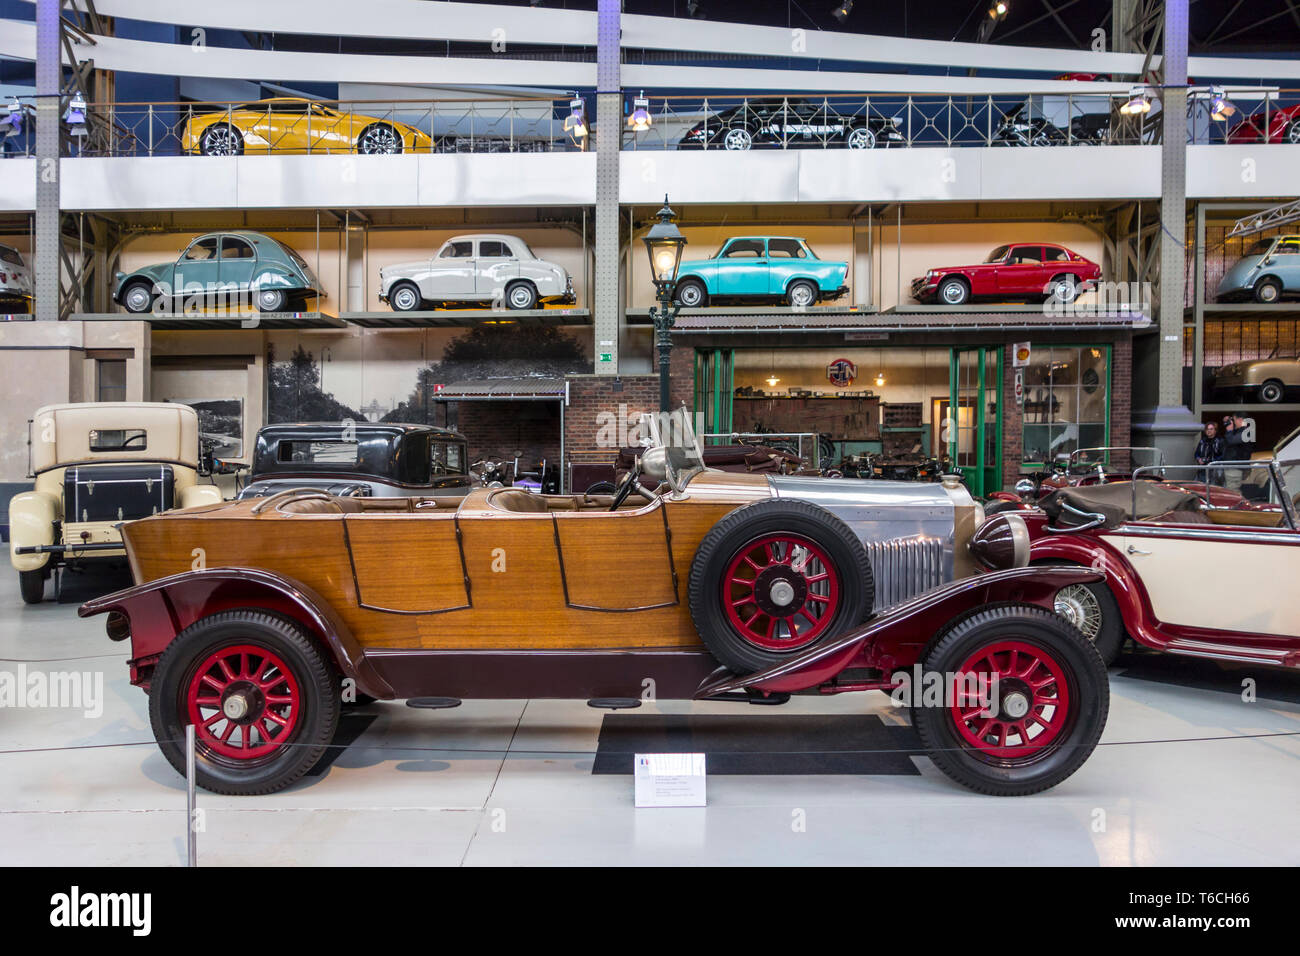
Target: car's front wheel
pixel 1024 700
pixel 1268 290
pixel 32 585
pixel 405 297
pixel 221 139
pixel 379 139
pixel 138 297
pixel 776 577
pixel 737 138
pixel 262 696
pixel 1293 132
pixel 861 137
pixel 1063 290
pixel 953 291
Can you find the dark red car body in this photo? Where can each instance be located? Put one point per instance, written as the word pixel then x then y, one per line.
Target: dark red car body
pixel 1268 126
pixel 1026 270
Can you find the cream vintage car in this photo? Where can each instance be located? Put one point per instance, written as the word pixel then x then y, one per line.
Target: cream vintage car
pixel 493 269
pixel 1269 380
pixel 96 465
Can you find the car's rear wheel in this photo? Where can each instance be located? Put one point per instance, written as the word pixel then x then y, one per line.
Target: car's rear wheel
pixel 262 696
pixel 32 585
pixel 776 577
pixel 379 139
pixel 861 137
pixel 138 297
pixel 691 294
pixel 1092 608
pixel 1272 392
pixel 801 294
pixel 521 295
pixel 737 138
pixel 1268 290
pixel 405 297
pixel 1063 289
pixel 954 291
pixel 1293 132
pixel 1025 700
pixel 221 139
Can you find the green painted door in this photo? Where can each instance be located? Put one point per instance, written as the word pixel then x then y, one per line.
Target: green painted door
pixel 714 390
pixel 974 428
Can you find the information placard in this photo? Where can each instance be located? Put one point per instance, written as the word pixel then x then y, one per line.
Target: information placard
pixel 669 780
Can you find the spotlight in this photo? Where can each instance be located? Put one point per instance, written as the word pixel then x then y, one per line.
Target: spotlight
pixel 11 122
pixel 842 10
pixel 75 115
pixel 772 380
pixel 639 119
pixel 576 121
pixel 1138 102
pixel 998 11
pixel 1220 106
pixel 880 380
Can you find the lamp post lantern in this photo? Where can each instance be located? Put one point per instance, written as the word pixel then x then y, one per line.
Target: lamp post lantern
pixel 664 243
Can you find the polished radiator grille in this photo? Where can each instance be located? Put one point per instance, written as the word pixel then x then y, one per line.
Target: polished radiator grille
pixel 904 567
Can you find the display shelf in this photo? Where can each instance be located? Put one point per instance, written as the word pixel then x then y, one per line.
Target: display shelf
pixel 1258 311
pixel 465 318
pixel 215 321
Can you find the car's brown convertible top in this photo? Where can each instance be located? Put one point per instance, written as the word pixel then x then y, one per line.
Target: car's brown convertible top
pixel 1118 501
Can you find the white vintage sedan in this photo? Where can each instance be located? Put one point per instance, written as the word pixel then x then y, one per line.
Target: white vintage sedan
pixel 15 281
pixel 498 270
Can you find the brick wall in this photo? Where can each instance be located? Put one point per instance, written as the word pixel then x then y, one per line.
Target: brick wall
pixel 499 429
pixel 602 410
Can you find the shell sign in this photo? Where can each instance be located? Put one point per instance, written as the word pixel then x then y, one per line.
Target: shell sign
pixel 841 373
pixel 1020 355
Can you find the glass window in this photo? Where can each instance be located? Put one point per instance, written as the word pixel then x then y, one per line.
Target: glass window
pixel 786 249
pixel 448 458
pixel 234 248
pixel 494 249
pixel 1055 254
pixel 1259 248
pixel 110 380
pixel 744 249
pixel 118 439
pixel 998 254
pixel 1065 401
pixel 201 251
pixel 10 255
pixel 1027 256
pixel 457 250
pixel 1288 247
pixel 318 452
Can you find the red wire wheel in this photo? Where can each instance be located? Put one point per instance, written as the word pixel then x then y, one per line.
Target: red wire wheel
pixel 1011 700
pixel 243 701
pixel 781 591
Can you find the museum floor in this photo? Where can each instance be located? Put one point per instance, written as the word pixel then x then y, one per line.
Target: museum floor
pixel 511 782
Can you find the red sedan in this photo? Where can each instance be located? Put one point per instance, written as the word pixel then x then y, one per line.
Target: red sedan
pixel 1268 126
pixel 1021 270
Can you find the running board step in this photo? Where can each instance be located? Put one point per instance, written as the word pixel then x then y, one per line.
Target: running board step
pixel 614 703
pixel 433 703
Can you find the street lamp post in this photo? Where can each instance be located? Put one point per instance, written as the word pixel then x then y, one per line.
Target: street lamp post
pixel 664 243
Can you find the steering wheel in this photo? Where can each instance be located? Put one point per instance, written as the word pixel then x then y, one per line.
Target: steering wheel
pixel 624 489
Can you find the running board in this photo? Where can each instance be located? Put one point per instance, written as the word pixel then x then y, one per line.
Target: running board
pixel 1228 652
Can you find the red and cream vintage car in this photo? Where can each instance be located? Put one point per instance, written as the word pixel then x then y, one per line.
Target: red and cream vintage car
pixel 1034 271
pixel 1190 568
pixel 712 585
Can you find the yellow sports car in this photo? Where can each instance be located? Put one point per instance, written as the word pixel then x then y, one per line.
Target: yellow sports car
pixel 293 125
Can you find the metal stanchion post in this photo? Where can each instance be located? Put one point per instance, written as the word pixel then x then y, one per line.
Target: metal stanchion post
pixel 191 847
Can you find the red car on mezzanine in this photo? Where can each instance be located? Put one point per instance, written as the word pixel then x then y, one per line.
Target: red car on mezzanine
pixel 1034 271
pixel 1268 126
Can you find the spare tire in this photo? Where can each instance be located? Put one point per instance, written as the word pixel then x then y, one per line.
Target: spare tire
pixel 774 578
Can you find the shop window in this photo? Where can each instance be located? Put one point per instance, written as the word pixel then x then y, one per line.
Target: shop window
pixel 110 380
pixel 1066 401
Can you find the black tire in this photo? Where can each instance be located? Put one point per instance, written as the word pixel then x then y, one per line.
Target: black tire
pixel 691 294
pixel 379 139
pixel 521 295
pixel 1268 290
pixel 743 529
pixel 861 137
pixel 801 294
pixel 405 297
pixel 1272 392
pixel 737 138
pixel 221 139
pixel 271 300
pixel 1063 289
pixel 32 585
pixel 318 682
pixel 952 291
pixel 138 297
pixel 1092 609
pixel 1084 719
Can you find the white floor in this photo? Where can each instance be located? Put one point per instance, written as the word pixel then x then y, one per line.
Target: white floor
pixel 514 785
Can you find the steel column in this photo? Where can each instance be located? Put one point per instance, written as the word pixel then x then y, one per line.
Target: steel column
pixel 606 315
pixel 49 123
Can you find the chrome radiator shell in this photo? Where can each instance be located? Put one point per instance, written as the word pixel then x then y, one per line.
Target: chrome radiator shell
pixel 904 567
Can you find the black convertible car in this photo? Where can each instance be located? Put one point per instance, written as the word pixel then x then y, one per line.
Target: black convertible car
pixel 790 123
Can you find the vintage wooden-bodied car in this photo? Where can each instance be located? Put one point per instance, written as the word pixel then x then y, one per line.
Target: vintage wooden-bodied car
pixel 503 593
pixel 290 124
pixel 1171 551
pixel 1022 270
pixel 234 268
pixel 780 268
pixel 495 269
pixel 358 459
pixel 96 465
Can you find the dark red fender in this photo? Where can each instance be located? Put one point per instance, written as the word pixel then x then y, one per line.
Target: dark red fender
pixel 896 638
pixel 161 609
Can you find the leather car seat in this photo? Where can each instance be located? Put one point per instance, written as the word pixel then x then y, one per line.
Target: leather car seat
pixel 522 502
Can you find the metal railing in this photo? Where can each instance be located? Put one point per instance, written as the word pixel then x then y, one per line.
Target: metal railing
pixel 305 127
pixel 770 121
